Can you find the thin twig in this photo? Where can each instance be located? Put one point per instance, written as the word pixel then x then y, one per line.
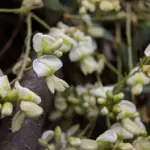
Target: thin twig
pixel 128 35
pixel 28 43
pixel 112 68
pixel 39 20
pixel 16 10
pixel 118 41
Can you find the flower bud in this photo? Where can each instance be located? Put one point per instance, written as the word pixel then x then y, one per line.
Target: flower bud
pixel 7 109
pixel 88 144
pixel 58 53
pixel 31 109
pixel 104 111
pixel 57 44
pixel 109 94
pixel 125 146
pixel 57 133
pixel 101 101
pixel 106 6
pixel 75 142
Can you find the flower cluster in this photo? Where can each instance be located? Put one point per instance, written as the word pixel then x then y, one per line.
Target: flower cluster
pixel 65 141
pixel 47 63
pixel 28 102
pixel 81 48
pixel 139 76
pixel 103 5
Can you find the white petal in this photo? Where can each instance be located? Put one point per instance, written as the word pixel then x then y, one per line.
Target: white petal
pixel 98 92
pixel 26 94
pixel 46 65
pixel 139 123
pixel 50 84
pixel 121 131
pixel 40 68
pixel 31 109
pixel 60 84
pixel 147 51
pixel 4 86
pixel 108 136
pixel 37 40
pixel 48 39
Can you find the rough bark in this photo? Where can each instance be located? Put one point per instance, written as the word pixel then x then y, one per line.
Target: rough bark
pixel 26 138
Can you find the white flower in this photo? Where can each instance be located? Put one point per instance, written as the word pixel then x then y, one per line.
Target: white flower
pixel 137 78
pixel 137 89
pixel 84 48
pixel 132 127
pixel 7 109
pixel 121 131
pixel 46 65
pixel 58 33
pixel 107 136
pixel 26 94
pixel 147 51
pixel 101 92
pixel 127 109
pixel 42 42
pixel 31 109
pixel 4 86
pixel 54 82
pixel 88 65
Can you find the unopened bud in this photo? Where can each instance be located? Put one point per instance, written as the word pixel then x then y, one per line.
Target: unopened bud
pixel 58 53
pixel 116 109
pixel 31 109
pixel 7 109
pixel 101 100
pixel 75 142
pixel 104 111
pixel 109 94
pixel 125 146
pixel 57 133
pixel 106 6
pixel 57 44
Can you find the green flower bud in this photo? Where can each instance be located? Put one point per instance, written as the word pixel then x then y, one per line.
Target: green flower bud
pixel 12 95
pixel 58 53
pixel 101 100
pixel 109 94
pixel 125 146
pixel 43 143
pixel 7 109
pixel 73 100
pixel 57 133
pixel 75 142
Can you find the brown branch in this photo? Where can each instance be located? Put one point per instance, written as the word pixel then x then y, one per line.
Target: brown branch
pixel 26 138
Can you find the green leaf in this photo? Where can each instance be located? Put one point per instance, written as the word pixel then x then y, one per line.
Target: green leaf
pixel 17 121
